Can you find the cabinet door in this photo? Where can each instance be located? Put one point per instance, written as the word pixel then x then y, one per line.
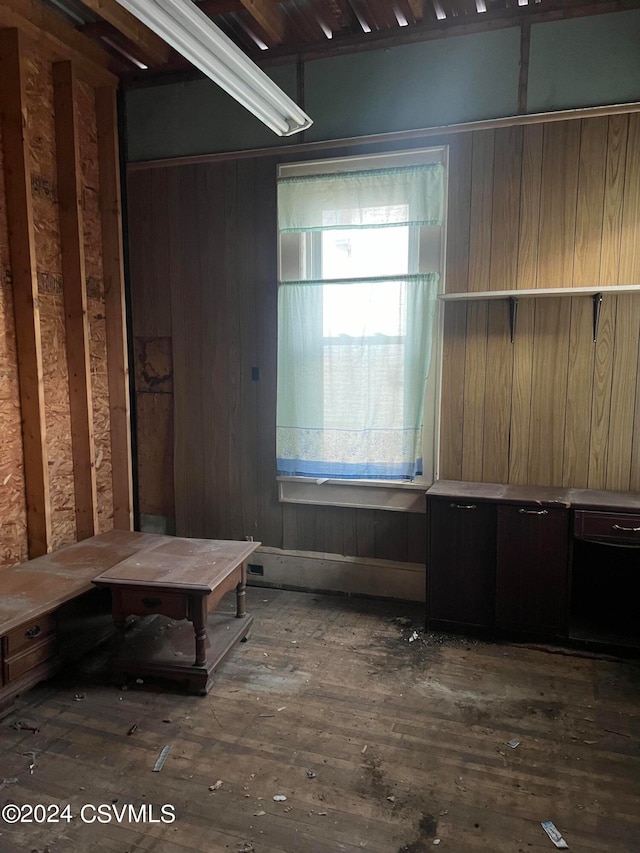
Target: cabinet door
pixel 461 563
pixel 532 570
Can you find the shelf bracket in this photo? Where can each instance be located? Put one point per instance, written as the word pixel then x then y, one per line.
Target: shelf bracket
pixel 513 316
pixel 597 305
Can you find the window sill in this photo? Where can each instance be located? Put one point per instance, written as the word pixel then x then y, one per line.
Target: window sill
pixel 356 494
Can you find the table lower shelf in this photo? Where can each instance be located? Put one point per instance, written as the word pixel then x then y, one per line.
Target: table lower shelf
pixel 158 647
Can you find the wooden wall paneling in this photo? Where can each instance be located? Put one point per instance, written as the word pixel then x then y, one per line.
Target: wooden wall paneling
pixel 300 527
pixel 416 537
pixel 474 384
pixel 560 158
pixel 614 199
pixel 507 178
pixel 601 400
pixel 529 219
pixel 623 393
pixel 115 306
pixel 455 316
pixel 154 419
pixel 521 393
pixel 629 269
pixel 365 531
pixel 215 204
pixel 458 213
pixel 505 219
pixel 330 530
pixel 289 527
pixel 497 404
pixel 590 201
pixel 17 172
pixel 586 272
pixel 199 312
pixel 481 206
pixel 75 299
pixel 244 417
pixel 230 281
pixel 558 199
pixel 601 413
pixel 151 221
pixel 549 391
pixel 527 276
pixel 481 210
pixel 265 254
pixel 453 386
pixel 390 535
pixel 152 200
pixel 629 273
pixel 580 369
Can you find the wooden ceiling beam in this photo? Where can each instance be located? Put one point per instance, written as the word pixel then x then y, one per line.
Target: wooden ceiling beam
pixel 267 15
pixel 58 38
pixel 152 49
pixel 435 29
pixel 417 8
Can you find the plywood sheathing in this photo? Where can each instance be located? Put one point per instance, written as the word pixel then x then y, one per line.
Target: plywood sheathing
pixel 49 263
pixel 13 530
pixel 88 144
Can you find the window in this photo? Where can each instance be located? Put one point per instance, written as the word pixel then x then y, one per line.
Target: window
pixel 360 258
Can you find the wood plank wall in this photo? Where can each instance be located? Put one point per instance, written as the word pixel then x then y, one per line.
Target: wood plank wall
pixel 551 205
pixel 537 206
pixel 52 234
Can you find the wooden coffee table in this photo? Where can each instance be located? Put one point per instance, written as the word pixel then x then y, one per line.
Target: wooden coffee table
pixel 179 579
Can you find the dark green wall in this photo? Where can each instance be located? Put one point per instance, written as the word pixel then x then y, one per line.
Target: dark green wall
pixel 585 62
pixel 573 63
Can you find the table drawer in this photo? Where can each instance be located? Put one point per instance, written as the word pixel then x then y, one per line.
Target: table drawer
pixel 29 635
pixel 610 527
pixel 18 665
pixel 144 602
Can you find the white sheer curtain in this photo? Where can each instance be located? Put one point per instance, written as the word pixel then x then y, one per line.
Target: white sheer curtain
pixel 355 335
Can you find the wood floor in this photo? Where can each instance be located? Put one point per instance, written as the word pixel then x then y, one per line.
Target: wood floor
pixel 377 743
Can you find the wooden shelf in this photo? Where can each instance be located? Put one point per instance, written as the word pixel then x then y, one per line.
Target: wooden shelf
pixel 476 295
pixel 596 293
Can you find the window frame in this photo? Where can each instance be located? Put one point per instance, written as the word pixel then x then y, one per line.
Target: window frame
pixel 388 494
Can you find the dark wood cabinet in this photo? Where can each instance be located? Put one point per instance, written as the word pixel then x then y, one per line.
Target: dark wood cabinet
pixel 462 546
pixel 532 563
pixel 544 563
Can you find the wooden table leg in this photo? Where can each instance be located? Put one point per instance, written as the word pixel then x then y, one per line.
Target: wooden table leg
pixel 199 620
pixel 241 594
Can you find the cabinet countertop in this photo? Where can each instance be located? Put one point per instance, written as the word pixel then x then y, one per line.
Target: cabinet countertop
pixel 551 496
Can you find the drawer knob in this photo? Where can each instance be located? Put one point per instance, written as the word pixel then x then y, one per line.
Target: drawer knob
pixel 626 529
pixel 30 633
pixel 533 511
pixel 151 602
pixel 463 506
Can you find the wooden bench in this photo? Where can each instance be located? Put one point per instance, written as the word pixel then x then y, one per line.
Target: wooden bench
pixel 51 612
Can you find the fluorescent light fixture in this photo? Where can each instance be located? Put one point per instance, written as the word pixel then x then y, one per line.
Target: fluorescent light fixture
pixel 187 29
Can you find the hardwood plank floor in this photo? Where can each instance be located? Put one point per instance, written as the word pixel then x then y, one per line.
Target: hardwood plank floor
pixel 378 744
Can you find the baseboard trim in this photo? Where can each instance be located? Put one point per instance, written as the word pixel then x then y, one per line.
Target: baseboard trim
pixel 312 571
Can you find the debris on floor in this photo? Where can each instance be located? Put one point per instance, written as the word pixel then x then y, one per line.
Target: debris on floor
pixel 164 752
pixel 554 835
